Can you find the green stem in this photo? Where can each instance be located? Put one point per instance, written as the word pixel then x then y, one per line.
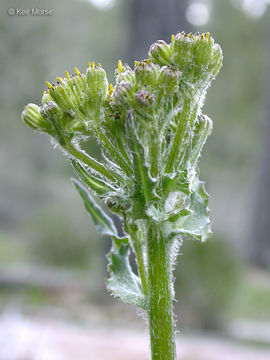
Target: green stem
pixel 137 246
pixel 89 161
pixel 155 153
pixel 160 296
pixel 117 156
pixel 181 128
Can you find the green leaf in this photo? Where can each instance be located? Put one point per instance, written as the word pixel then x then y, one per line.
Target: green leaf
pixel 99 186
pixel 102 221
pixel 198 223
pixel 123 283
pixel 177 182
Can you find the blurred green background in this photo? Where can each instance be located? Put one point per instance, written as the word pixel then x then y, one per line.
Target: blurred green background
pixel 51 257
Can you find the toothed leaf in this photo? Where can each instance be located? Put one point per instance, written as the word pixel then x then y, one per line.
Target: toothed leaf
pixel 123 283
pixel 198 223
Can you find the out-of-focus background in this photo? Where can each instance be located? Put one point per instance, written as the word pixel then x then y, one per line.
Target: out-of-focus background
pixel 53 302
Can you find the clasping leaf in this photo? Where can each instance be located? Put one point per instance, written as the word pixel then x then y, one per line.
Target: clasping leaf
pixel 122 283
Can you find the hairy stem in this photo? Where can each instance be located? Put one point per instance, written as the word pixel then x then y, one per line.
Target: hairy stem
pixel 160 295
pixel 141 265
pixel 117 156
pixel 93 163
pixel 137 244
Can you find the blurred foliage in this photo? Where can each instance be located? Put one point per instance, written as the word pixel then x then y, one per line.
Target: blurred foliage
pixel 251 300
pixel 56 243
pixel 206 278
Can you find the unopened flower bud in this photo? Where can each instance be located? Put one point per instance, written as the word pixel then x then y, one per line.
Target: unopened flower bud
pixel 197 56
pixel 144 97
pixel 182 48
pixel 53 114
pixel 32 117
pixel 217 59
pixel 77 88
pixel 60 94
pixel 51 110
pixel 123 92
pixel 97 82
pixel 203 50
pixel 169 79
pixel 124 73
pixel 160 53
pixel 46 97
pixel 146 73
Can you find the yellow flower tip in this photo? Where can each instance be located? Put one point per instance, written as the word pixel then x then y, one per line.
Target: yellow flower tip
pixel 190 35
pixel 120 66
pixel 89 64
pixel 67 75
pixel 44 93
pixel 77 71
pixel 93 65
pixel 208 36
pixel 147 61
pixel 110 91
pixel 49 85
pixel 172 38
pixel 183 35
pixel 136 63
pixel 203 36
pixel 59 79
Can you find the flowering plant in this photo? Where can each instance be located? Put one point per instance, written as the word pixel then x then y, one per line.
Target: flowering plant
pixel 151 132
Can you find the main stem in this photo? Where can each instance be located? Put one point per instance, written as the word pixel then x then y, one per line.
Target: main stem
pixel 160 290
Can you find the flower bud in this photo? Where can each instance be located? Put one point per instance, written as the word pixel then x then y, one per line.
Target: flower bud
pixel 32 117
pixel 53 114
pixel 50 110
pixel 144 97
pixel 123 93
pixel 202 49
pixel 197 56
pixel 160 53
pixel 146 73
pixel 97 82
pixel 182 48
pixel 124 73
pixel 117 206
pixel 46 97
pixel 217 59
pixel 168 79
pixel 61 95
pixel 76 88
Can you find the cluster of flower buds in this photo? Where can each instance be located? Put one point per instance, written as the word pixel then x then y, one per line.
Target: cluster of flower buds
pixel 144 88
pixel 196 56
pixel 151 132
pixel 71 107
pixel 150 122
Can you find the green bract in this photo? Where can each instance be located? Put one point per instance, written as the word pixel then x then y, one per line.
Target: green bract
pixel 151 132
